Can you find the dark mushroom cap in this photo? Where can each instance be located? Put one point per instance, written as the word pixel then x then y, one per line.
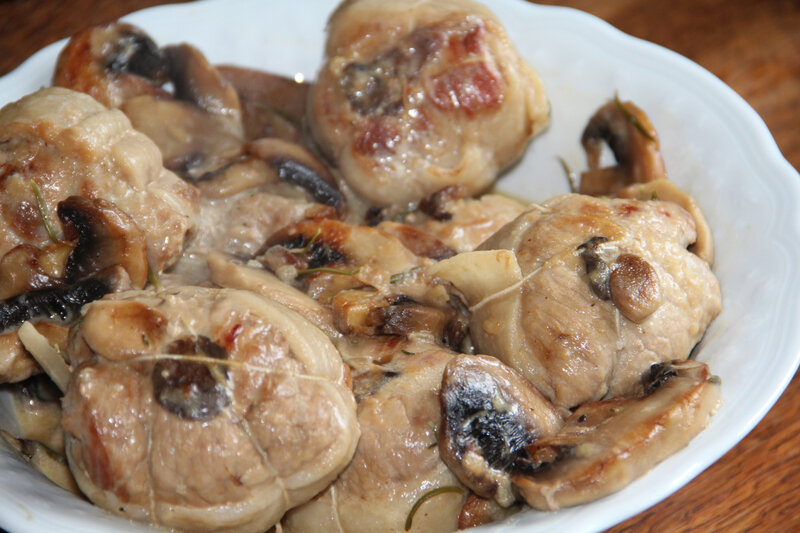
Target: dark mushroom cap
pixel 607 444
pixel 489 415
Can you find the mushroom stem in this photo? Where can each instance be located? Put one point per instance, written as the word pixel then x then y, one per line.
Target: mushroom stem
pixel 48 358
pixel 630 135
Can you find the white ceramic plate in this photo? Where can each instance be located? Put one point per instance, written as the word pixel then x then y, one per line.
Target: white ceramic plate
pixel 714 145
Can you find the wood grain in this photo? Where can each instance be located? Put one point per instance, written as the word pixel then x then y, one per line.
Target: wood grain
pixel 752 46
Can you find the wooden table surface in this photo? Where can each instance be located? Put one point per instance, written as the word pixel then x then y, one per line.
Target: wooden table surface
pixel 752 46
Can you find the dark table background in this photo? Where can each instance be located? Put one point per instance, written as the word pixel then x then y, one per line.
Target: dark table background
pixel 753 46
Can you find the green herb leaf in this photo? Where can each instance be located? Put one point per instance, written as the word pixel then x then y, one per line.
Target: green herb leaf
pixel 40 203
pixel 329 270
pixel 301 252
pixel 400 276
pixel 427 496
pixel 633 119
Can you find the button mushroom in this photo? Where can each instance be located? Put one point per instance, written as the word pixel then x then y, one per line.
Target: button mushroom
pixel 297 165
pixel 272 105
pixel 489 415
pixel 630 135
pixel 629 281
pixel 605 445
pixel 193 141
pixel 198 82
pixel 200 129
pixel 112 62
pixel 108 254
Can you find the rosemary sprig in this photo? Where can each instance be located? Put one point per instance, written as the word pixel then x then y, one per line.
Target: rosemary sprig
pixel 40 203
pixel 302 252
pixel 400 276
pixel 427 496
pixel 306 271
pixel 633 119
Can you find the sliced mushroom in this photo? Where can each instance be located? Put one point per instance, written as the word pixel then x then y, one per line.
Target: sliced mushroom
pixel 51 464
pixel 112 62
pixel 193 141
pixel 607 444
pixel 630 135
pixel 489 415
pixel 16 363
pixel 105 236
pixel 198 82
pixel 240 175
pixel 31 410
pixel 56 304
pixel 272 105
pixel 361 254
pixel 104 239
pixel 298 166
pixel 665 190
pixel 109 254
pixel 370 313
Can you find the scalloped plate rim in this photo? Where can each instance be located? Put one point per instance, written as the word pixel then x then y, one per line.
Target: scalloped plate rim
pixel 761 150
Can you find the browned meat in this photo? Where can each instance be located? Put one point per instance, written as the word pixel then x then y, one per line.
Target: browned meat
pixel 371 278
pixel 464 223
pixel 328 256
pixel 396 463
pixel 204 409
pixel 416 97
pixel 582 294
pixel 112 62
pixel 85 208
pixel 69 145
pixel 703 245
